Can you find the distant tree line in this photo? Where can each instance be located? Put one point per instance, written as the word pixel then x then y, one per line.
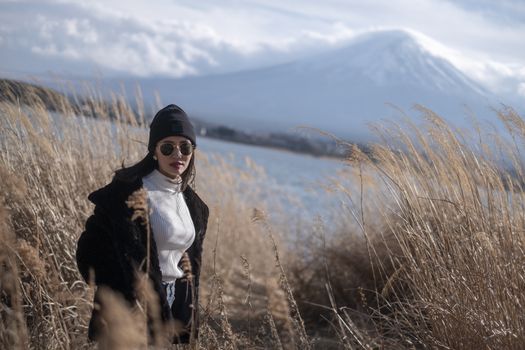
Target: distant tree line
pixel 24 93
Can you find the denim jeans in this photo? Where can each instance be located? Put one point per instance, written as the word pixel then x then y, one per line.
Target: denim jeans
pixel 169 287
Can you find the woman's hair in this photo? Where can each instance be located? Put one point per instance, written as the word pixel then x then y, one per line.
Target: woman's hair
pixel 147 165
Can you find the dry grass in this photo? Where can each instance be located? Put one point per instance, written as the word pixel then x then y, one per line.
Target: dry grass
pixel 49 164
pixel 450 208
pixel 429 254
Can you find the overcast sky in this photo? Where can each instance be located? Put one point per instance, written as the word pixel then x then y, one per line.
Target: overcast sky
pixel 484 38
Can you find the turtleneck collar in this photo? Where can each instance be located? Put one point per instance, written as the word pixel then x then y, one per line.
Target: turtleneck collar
pixel 162 182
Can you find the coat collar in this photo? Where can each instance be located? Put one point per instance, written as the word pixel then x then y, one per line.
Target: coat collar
pixel 112 199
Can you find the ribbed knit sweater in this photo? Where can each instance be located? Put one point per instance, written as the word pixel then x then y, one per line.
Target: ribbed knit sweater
pixel 170 222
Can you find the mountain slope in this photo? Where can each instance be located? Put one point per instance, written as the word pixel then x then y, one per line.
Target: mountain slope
pixel 338 91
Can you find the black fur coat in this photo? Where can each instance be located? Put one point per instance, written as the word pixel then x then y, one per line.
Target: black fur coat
pixel 113 247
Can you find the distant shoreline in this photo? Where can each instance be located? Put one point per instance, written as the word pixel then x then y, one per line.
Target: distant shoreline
pixel 19 92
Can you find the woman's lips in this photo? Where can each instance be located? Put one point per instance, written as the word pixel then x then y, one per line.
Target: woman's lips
pixel 177 164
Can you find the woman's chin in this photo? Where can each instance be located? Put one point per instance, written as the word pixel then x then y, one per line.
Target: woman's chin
pixel 171 173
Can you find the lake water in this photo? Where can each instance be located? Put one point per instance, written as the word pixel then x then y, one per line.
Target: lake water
pixel 293 188
pixel 294 181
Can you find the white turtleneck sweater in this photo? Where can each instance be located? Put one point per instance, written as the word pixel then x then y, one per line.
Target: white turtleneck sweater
pixel 170 222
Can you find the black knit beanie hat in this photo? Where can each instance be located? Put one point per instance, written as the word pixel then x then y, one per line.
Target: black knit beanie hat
pixel 170 121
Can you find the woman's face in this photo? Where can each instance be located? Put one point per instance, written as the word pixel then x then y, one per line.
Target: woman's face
pixel 172 155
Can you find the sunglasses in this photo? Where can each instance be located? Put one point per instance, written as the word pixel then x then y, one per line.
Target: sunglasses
pixel 185 148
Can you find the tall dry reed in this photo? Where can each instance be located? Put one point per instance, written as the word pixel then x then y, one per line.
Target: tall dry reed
pixel 50 162
pixel 453 202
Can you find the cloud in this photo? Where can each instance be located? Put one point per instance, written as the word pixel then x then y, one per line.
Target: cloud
pixel 521 89
pixel 182 38
pixel 115 44
pixel 119 43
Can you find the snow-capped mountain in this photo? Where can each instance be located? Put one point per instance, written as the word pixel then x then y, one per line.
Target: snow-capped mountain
pixel 338 91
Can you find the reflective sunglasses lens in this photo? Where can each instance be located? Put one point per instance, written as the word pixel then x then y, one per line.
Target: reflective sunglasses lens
pixel 166 149
pixel 186 148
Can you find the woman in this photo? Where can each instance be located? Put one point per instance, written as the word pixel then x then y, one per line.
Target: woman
pixel 114 245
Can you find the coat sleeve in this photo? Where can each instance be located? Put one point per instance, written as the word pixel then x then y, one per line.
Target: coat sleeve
pixel 95 254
